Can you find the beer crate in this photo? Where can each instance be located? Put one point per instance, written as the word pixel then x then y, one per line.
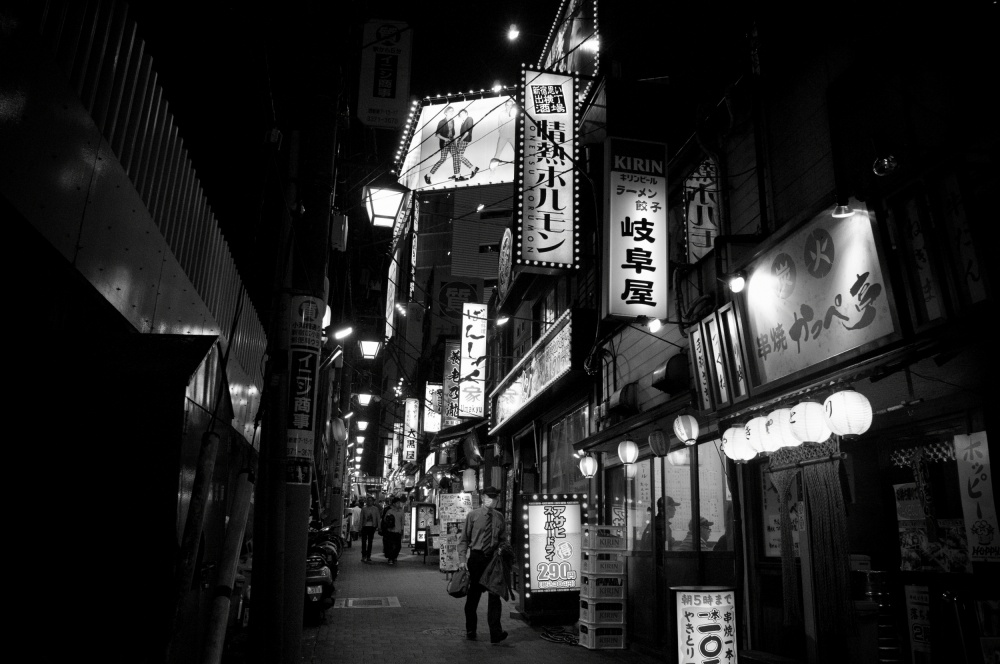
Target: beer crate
pixel 599 561
pixel 612 613
pixel 604 537
pixel 597 636
pixel 602 586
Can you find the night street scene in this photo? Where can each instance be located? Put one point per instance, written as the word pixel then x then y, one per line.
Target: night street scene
pixel 563 331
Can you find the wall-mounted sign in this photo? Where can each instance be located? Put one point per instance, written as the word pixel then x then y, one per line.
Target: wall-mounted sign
pixel 461 142
pixel 636 269
pixel 975 481
pixel 411 424
pixel 701 201
pixel 390 296
pixel 816 295
pixel 718 367
pixel 548 360
pixel 432 407
pixel 554 545
pixel 505 265
pixel 699 358
pixel 384 90
pixel 305 325
pixel 546 223
pixel 450 391
pixel 706 624
pixel 472 388
pixel 573 44
pixel 735 351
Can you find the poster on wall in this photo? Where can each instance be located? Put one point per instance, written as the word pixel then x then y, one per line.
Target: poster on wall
pixel 975 481
pixel 635 234
pixel 554 540
pixel 384 89
pixel 451 512
pixel 546 219
pixel 706 624
pixel 305 334
pixel 919 551
pixel 816 295
pixel 472 386
pixel 460 142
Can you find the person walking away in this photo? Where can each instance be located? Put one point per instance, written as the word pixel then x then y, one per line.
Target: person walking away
pixel 369 524
pixel 484 532
pixel 392 529
pixel 355 522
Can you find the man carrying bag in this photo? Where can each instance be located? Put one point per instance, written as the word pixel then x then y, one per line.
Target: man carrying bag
pixel 484 531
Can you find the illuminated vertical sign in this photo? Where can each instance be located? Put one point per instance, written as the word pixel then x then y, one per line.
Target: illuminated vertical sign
pixel 472 388
pixel 305 340
pixel 411 422
pixel 547 229
pixel 450 391
pixel 432 407
pixel 706 624
pixel 390 296
pixel 554 541
pixel 701 209
pixel 636 270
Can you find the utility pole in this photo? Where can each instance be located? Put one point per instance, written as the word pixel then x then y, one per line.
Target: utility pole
pixel 284 489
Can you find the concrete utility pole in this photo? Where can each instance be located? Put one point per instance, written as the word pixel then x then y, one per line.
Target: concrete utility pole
pixel 284 489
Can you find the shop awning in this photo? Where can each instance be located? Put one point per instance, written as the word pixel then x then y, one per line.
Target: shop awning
pixel 637 428
pixel 451 435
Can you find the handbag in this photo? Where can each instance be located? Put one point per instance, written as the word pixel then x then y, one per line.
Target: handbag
pixel 458 586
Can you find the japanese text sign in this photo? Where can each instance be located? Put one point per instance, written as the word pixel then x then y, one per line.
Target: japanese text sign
pixel 701 209
pixel 636 271
pixel 472 387
pixel 819 293
pixel 384 90
pixel 706 625
pixel 546 222
pixel 975 482
pixel 411 422
pixel 432 407
pixel 554 541
pixel 305 339
pixel 450 391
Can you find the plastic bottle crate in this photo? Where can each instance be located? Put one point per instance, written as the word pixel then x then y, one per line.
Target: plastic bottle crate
pixel 602 586
pixel 597 636
pixel 612 613
pixel 604 537
pixel 599 561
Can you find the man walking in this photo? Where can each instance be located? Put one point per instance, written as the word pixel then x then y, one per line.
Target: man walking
pixel 484 531
pixel 369 524
pixel 392 529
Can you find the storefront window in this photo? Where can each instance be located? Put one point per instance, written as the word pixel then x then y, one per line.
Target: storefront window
pixel 677 494
pixel 561 465
pixel 716 501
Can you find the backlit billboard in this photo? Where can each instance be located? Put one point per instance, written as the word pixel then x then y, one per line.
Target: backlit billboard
pixel 554 541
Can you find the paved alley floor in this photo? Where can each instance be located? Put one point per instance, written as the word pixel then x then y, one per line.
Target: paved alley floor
pixel 403 613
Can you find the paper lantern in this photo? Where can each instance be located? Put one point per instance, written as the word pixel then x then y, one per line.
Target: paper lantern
pixel 781 427
pixel 658 442
pixel 680 457
pixel 469 479
pixel 628 451
pixel 771 438
pixel 588 466
pixel 630 469
pixel 754 432
pixel 734 445
pixel 848 413
pixel 808 420
pixel 686 429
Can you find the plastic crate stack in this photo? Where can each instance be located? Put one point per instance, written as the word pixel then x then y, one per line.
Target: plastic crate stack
pixel 602 588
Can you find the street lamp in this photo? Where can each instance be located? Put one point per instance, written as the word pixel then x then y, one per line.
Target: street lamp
pixel 364 399
pixel 384 204
pixel 369 349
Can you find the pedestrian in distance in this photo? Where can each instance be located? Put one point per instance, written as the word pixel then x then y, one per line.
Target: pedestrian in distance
pixel 392 529
pixel 484 533
pixel 369 524
pixel 355 527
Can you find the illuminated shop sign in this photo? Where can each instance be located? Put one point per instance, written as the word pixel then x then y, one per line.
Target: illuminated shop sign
pixel 450 391
pixel 816 295
pixel 547 229
pixel 554 533
pixel 706 624
pixel 461 142
pixel 432 407
pixel 411 422
pixel 472 387
pixel 305 332
pixel 636 271
pixel 701 209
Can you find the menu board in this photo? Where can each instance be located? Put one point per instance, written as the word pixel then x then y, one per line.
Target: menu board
pixel 452 509
pixel 706 624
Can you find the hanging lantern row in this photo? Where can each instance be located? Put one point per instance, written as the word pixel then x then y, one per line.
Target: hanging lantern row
pixel 845 413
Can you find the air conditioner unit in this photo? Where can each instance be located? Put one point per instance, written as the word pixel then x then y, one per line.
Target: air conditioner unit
pixel 625 401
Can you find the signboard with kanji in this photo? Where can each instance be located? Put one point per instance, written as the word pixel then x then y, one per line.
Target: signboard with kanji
pixel 384 90
pixel 432 407
pixel 452 376
pixel 305 340
pixel 554 545
pixel 975 482
pixel 472 385
pixel 636 271
pixel 706 625
pixel 546 223
pixel 411 422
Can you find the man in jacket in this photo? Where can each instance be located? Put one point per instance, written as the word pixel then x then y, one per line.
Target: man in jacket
pixel 393 535
pixel 484 532
pixel 369 524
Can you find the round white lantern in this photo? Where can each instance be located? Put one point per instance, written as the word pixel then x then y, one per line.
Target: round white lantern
pixel 754 432
pixel 808 420
pixel 781 428
pixel 734 445
pixel 588 466
pixel 686 429
pixel 469 479
pixel 848 413
pixel 628 451
pixel 630 470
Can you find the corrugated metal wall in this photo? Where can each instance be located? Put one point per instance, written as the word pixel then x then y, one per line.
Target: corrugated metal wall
pixel 99 49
